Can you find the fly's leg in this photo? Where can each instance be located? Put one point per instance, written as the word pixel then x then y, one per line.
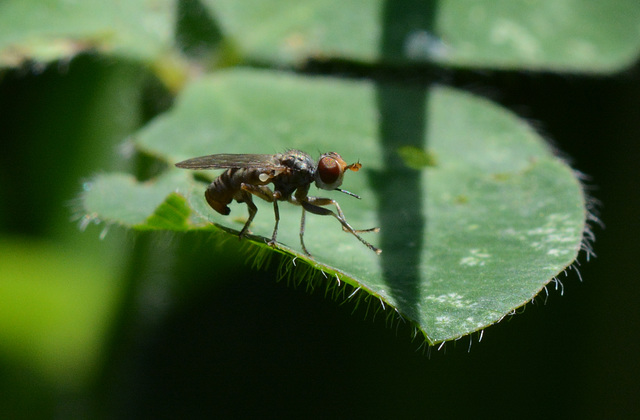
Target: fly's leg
pixel 246 198
pixel 267 195
pixel 276 212
pixel 320 201
pixel 312 205
pixel 304 248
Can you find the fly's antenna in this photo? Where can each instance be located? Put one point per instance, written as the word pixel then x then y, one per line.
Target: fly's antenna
pixel 348 193
pixel 355 167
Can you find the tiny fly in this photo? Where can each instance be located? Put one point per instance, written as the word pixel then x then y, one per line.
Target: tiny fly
pixel 291 173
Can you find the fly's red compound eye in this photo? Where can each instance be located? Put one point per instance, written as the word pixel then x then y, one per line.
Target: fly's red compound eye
pixel 329 170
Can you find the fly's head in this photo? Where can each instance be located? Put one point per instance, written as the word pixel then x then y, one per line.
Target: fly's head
pixel 330 171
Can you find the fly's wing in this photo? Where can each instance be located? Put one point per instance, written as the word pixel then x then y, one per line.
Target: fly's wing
pixel 226 161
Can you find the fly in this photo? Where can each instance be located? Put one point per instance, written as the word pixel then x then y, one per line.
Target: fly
pixel 291 174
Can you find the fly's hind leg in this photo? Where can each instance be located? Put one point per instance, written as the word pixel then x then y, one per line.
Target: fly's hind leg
pixel 246 198
pixel 266 194
pixel 312 205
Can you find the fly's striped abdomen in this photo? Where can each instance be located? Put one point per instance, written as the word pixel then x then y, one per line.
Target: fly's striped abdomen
pixel 228 186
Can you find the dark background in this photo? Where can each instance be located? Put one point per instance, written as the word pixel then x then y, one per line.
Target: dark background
pixel 251 345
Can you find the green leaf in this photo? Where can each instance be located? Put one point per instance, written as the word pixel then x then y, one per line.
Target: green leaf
pixel 465 240
pixel 155 205
pixel 561 35
pixel 46 30
pixel 564 35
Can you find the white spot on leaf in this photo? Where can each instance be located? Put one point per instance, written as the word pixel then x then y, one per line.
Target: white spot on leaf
pixel 423 45
pixel 477 258
pixel 452 299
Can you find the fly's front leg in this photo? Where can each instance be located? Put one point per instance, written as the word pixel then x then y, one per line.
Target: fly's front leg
pixel 320 201
pixel 297 202
pixel 267 195
pixel 312 205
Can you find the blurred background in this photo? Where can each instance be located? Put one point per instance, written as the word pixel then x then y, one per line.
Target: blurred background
pixel 104 322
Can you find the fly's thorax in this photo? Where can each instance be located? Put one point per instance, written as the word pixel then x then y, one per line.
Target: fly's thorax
pixel 297 160
pixel 299 171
